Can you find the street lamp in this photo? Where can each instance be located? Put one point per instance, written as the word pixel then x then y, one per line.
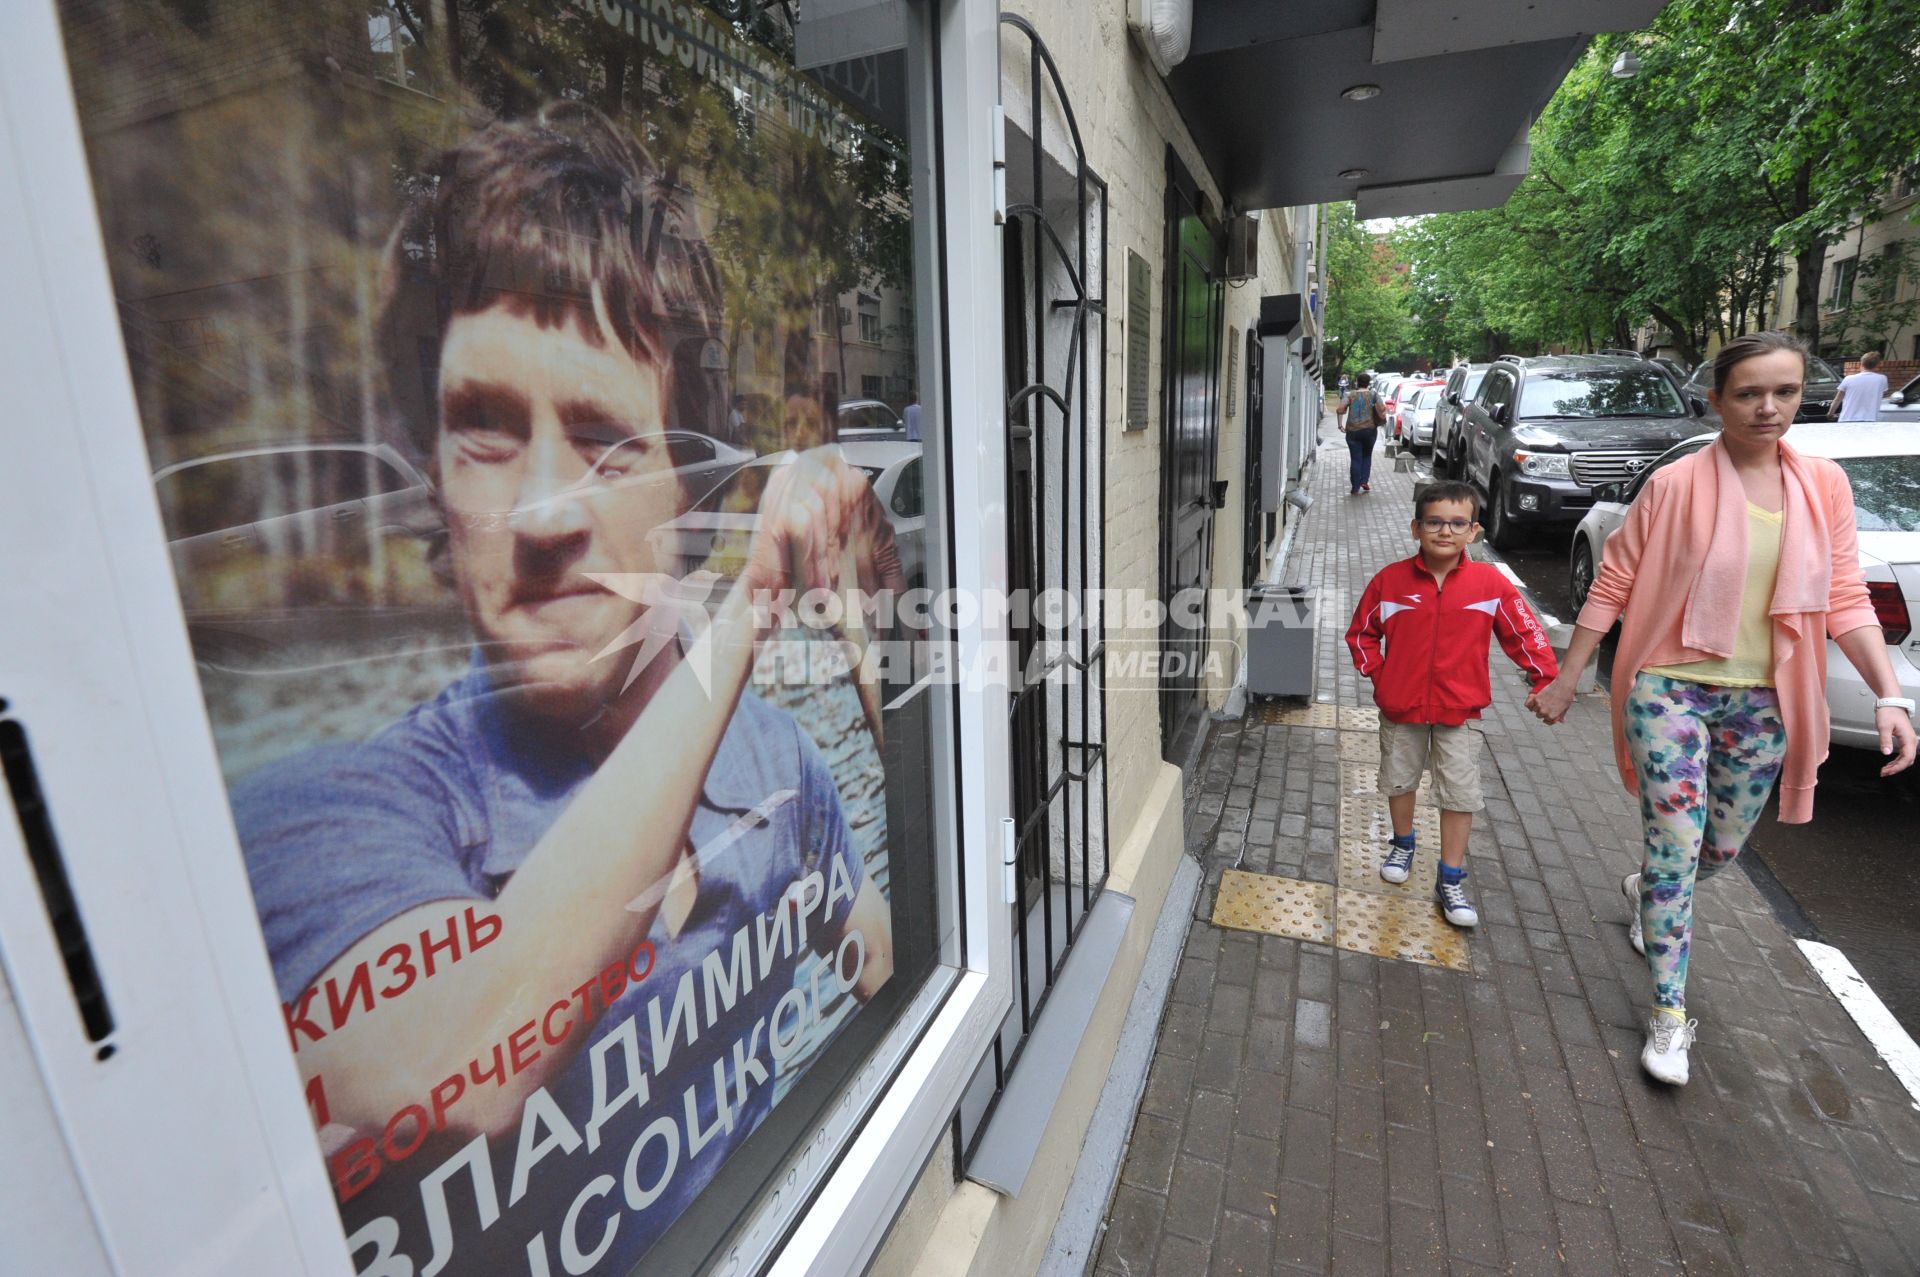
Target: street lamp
pixel 1626 66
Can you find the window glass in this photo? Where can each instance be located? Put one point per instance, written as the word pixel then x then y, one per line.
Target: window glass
pixel 906 492
pixel 1473 383
pixel 1886 492
pixel 1636 392
pixel 1428 397
pixel 1498 391
pixel 574 866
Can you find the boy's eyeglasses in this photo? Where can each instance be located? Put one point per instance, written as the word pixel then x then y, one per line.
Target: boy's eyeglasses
pixel 1446 525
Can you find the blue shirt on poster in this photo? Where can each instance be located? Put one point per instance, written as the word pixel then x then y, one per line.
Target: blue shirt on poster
pixel 444 805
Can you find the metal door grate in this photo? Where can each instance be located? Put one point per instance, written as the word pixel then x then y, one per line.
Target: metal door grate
pixel 1055 326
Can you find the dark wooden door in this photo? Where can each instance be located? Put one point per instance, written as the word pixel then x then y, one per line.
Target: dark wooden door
pixel 1190 377
pixel 1253 432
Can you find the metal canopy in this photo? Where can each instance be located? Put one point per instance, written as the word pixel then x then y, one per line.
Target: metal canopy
pixel 1459 81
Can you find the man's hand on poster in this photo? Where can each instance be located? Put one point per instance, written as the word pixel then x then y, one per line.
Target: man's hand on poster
pixel 819 518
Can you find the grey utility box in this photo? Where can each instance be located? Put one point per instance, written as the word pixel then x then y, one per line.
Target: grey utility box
pixel 1281 624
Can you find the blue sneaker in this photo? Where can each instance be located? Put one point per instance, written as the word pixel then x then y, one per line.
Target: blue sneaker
pixel 1398 865
pixel 1452 897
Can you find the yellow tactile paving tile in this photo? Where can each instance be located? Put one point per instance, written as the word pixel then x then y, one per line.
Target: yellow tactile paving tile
pixel 1364 819
pixel 1359 747
pixel 1396 927
pixel 1292 714
pixel 1359 868
pixel 1275 906
pixel 1358 718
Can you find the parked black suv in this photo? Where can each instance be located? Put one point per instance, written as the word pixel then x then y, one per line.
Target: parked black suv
pixel 1449 450
pixel 1543 431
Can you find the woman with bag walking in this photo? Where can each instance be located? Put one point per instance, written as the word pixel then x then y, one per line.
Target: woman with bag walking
pixel 1361 416
pixel 1733 568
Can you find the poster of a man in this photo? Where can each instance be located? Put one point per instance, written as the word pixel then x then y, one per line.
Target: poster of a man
pixel 559 925
pixel 537 784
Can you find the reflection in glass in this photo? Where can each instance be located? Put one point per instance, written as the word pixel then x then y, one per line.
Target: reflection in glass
pixel 462 331
pixel 1627 393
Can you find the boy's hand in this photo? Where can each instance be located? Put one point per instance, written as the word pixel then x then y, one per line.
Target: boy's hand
pixel 1552 702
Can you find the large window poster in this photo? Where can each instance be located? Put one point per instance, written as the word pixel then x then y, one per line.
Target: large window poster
pixel 508 368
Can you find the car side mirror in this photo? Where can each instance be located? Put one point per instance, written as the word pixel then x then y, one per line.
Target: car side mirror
pixel 1614 492
pixel 1454 399
pixel 1499 414
pixel 1698 405
pixel 1896 399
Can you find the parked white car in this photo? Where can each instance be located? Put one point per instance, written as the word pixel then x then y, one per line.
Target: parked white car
pixel 1416 418
pixel 1902 404
pixel 715 533
pixel 1882 461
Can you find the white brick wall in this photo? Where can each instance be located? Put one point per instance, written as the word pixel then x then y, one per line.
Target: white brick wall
pixel 1126 121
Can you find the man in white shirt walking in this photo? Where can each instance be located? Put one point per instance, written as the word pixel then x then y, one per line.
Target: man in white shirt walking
pixel 1860 393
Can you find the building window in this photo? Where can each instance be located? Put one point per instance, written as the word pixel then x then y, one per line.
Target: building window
pixel 390 39
pixel 788 905
pixel 872 387
pixel 1840 290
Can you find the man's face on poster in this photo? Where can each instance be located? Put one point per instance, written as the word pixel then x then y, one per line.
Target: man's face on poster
pixel 553 468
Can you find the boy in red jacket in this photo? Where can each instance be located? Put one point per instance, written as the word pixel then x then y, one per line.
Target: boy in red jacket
pixel 1434 613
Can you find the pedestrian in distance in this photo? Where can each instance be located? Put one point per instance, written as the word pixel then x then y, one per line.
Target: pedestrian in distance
pixel 1860 393
pixel 1362 413
pixel 1421 635
pixel 1732 569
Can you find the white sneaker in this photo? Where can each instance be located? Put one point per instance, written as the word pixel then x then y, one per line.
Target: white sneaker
pixel 1665 1055
pixel 1630 888
pixel 1398 864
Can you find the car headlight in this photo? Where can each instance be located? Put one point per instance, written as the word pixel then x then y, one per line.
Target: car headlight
pixel 1542 465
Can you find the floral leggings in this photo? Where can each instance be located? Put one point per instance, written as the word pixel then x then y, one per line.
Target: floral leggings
pixel 1706 758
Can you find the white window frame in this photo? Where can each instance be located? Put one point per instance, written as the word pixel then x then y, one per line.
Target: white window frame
pixel 99 670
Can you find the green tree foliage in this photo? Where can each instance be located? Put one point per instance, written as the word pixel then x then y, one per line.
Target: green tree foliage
pixel 1367 320
pixel 1755 128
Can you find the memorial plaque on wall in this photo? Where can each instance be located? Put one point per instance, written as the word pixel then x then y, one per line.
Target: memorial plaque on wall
pixel 1139 333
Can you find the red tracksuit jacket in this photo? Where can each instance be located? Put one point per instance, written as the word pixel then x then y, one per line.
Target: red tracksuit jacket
pixel 1433 668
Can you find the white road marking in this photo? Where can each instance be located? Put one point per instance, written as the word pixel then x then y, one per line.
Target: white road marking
pixel 1893 1043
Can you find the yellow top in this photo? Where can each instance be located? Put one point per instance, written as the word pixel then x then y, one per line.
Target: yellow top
pixel 1751 664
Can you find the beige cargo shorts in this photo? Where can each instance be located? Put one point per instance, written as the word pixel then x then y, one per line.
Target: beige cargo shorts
pixel 1451 753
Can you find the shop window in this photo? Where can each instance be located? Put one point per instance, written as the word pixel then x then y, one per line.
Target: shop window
pixel 557 894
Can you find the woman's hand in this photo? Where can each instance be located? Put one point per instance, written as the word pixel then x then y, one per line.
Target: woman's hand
pixel 1552 702
pixel 1897 736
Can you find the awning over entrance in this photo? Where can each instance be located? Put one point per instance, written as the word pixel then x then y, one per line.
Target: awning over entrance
pixel 1407 106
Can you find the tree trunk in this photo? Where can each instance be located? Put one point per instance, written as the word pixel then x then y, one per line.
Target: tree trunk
pixel 1682 334
pixel 1807 264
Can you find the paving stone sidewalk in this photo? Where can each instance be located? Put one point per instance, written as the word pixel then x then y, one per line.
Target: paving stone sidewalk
pixel 1314 1109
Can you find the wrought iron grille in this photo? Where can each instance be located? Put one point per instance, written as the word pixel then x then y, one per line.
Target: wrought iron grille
pixel 1055 264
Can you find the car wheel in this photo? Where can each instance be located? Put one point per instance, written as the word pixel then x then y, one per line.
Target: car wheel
pixel 1502 534
pixel 1580 573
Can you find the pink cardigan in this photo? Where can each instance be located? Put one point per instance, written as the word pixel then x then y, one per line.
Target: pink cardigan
pixel 1675 569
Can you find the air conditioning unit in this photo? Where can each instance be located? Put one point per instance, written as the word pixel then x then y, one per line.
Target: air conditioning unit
pixel 1243 246
pixel 1164 29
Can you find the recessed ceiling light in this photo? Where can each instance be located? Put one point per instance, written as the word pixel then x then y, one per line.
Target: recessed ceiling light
pixel 1360 92
pixel 1353 174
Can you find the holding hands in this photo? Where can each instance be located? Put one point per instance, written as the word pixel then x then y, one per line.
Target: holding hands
pixel 1551 703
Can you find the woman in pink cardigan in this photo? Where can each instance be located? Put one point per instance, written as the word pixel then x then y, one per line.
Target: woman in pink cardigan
pixel 1732 569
